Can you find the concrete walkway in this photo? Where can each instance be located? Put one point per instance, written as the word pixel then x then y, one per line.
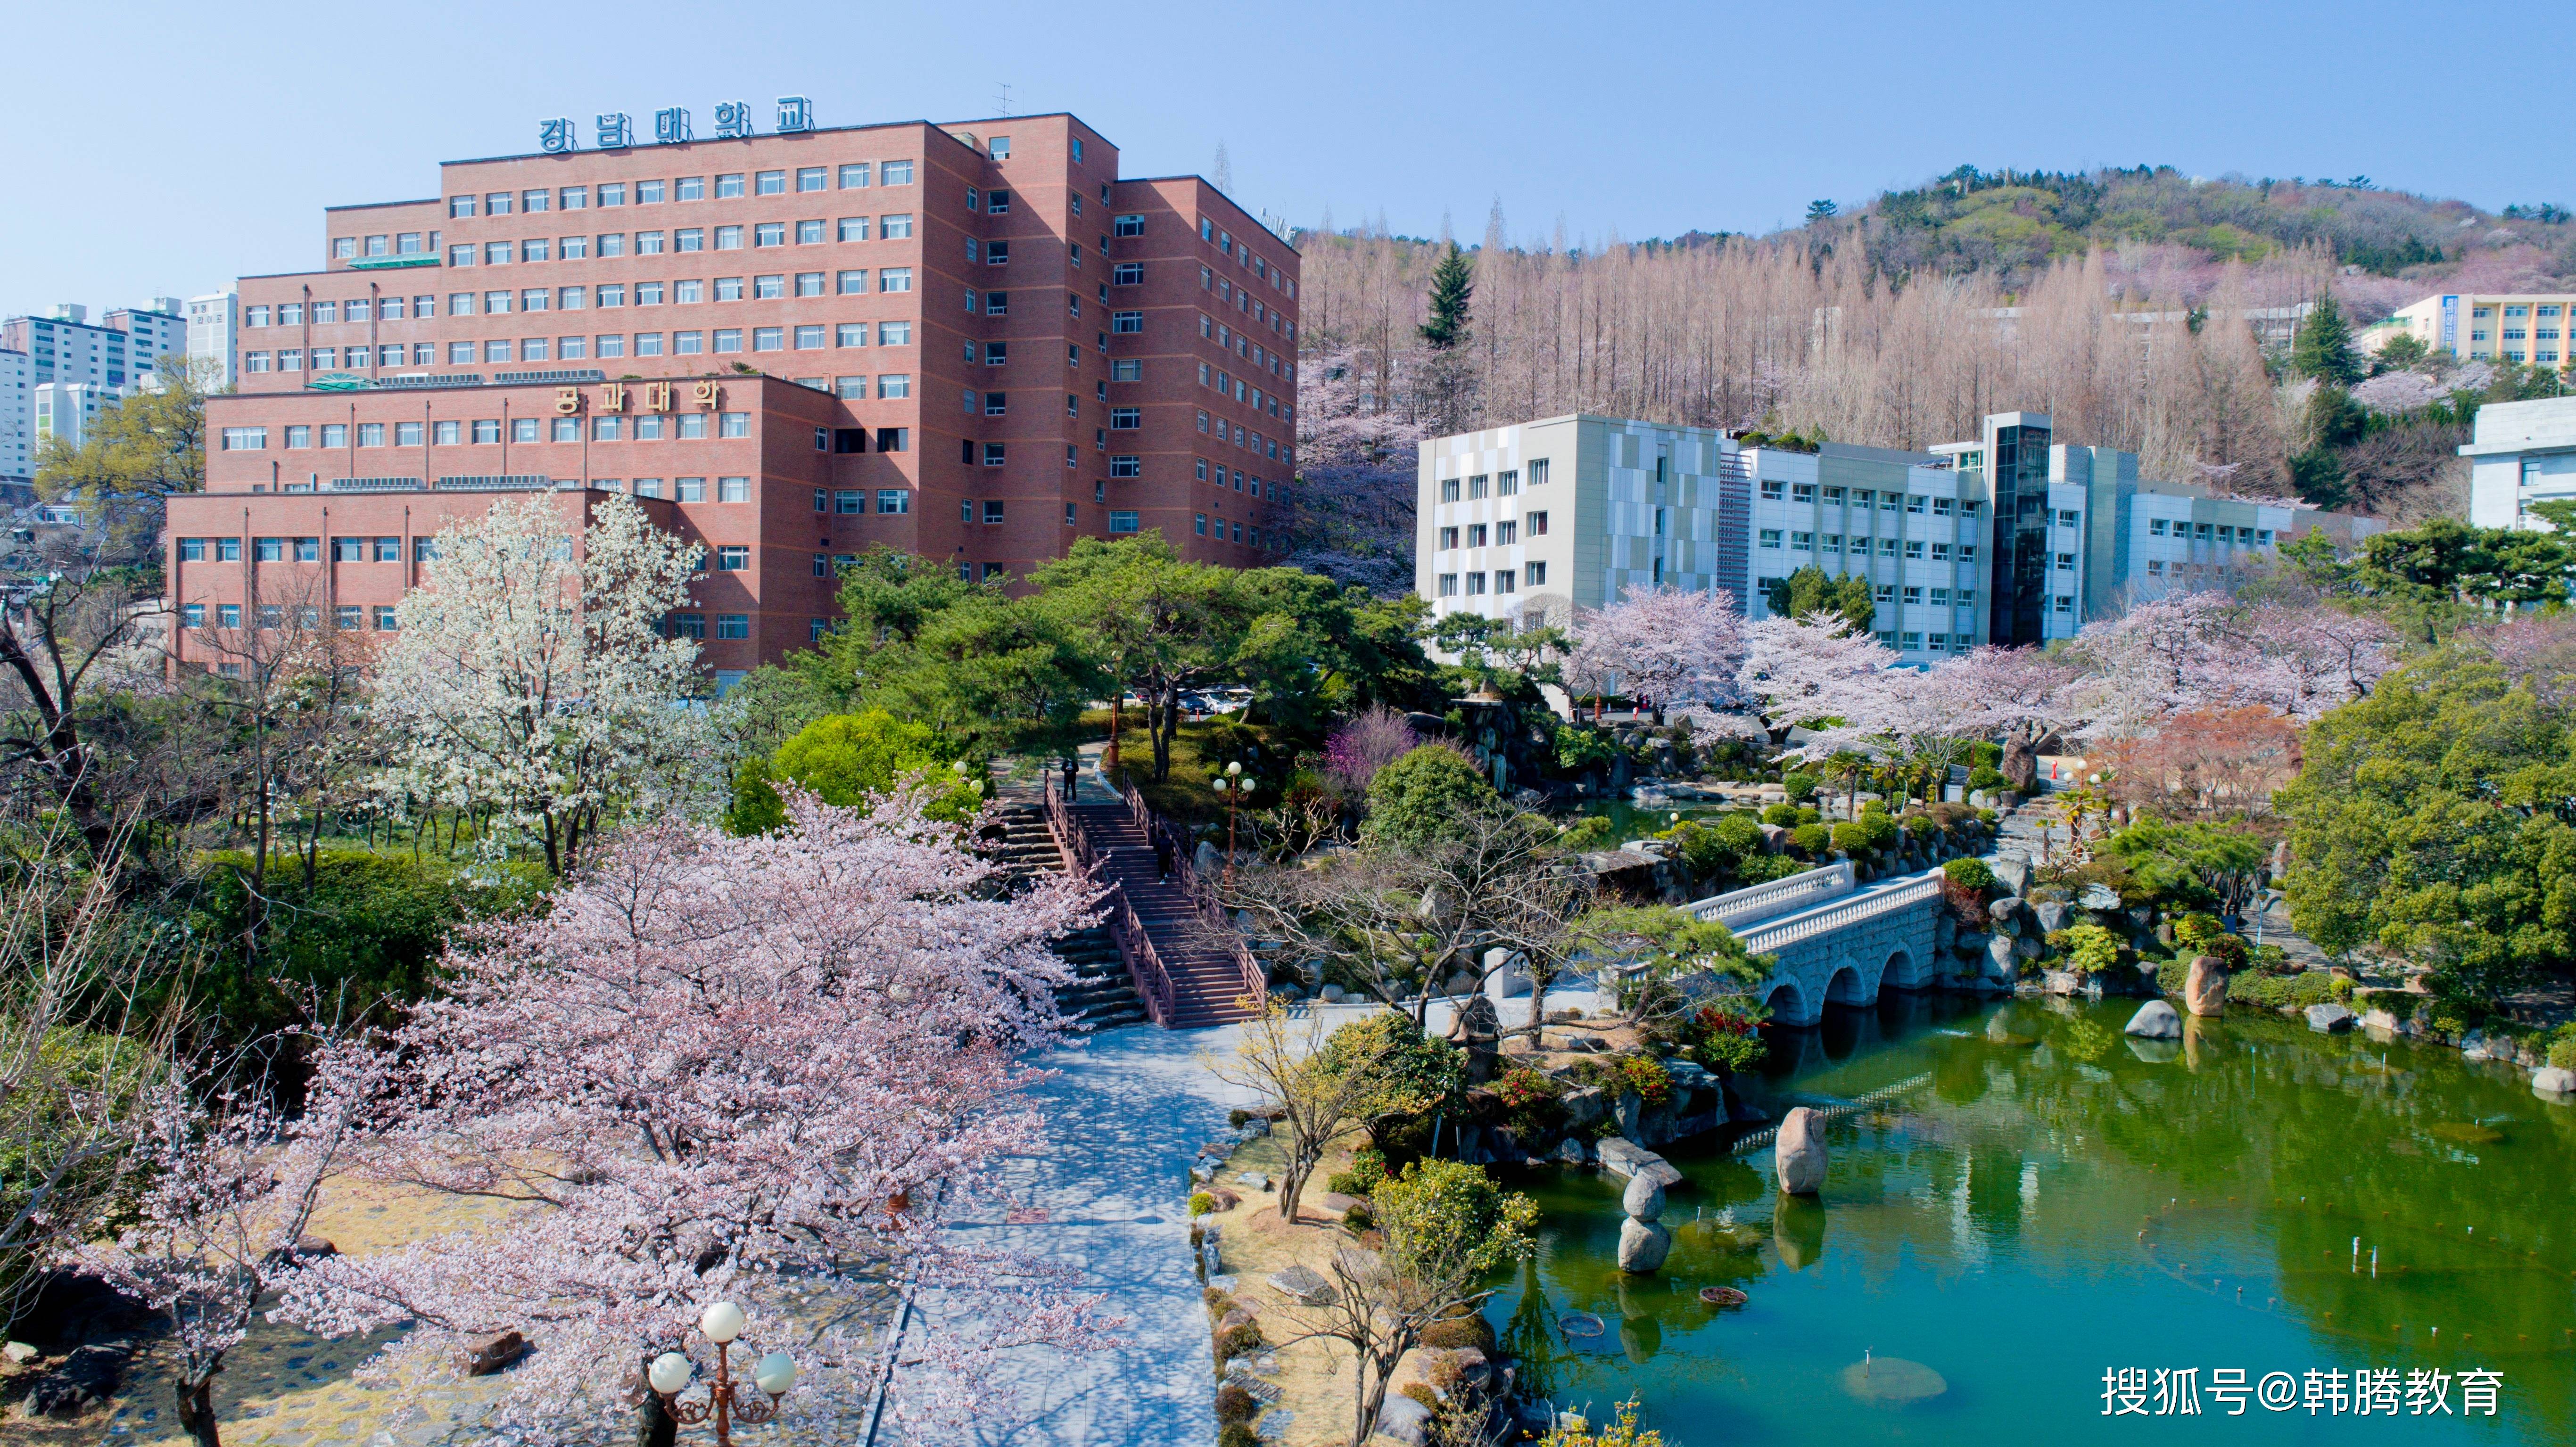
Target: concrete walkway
pixel 1129 1111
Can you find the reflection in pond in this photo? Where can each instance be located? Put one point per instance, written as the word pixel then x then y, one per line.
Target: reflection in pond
pixel 2055 1200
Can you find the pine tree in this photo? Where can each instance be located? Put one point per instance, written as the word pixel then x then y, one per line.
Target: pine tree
pixel 2323 347
pixel 1453 284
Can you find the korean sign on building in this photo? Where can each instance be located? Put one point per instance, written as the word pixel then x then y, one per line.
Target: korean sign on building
pixel 616 131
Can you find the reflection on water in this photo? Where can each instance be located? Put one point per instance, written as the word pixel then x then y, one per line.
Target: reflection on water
pixel 2056 1200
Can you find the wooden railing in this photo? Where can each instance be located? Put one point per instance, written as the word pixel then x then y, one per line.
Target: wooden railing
pixel 1153 982
pixel 1160 833
pixel 1135 948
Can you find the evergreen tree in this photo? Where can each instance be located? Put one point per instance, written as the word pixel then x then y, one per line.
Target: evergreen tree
pixel 1453 284
pixel 1812 590
pixel 2323 347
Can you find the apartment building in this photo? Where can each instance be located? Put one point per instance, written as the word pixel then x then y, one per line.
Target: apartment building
pixel 2013 538
pixel 2521 453
pixel 2525 327
pixel 974 341
pixel 214 324
pixel 17 424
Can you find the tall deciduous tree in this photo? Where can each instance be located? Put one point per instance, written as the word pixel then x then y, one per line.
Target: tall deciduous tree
pixel 530 679
pixel 717 1068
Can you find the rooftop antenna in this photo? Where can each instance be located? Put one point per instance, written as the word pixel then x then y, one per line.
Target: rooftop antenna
pixel 1002 98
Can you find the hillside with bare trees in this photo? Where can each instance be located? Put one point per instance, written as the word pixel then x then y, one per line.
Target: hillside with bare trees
pixel 1861 330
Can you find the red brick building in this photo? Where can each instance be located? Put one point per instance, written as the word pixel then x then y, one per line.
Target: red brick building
pixel 971 341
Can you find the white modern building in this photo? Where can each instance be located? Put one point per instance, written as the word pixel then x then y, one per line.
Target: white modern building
pixel 2521 453
pixel 2013 539
pixel 214 333
pixel 1917 528
pixel 1573 511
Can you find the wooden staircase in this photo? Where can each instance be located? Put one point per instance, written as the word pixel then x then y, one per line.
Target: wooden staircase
pixel 1202 961
pixel 1102 993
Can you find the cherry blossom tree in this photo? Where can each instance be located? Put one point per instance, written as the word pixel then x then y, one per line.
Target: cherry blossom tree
pixel 719 1068
pixel 1804 670
pixel 230 1187
pixel 1666 645
pixel 2163 656
pixel 2018 694
pixel 534 686
pixel 2319 656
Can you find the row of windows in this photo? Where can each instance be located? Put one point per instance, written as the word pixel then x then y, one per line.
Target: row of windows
pixel 1506 483
pixel 1201 526
pixel 853 175
pixel 851 281
pixel 1503 534
pixel 1223 241
pixel 685 426
pixel 352 617
pixel 1506 580
pixel 2209 532
pixel 723 341
pixel 356 309
pixel 1859 546
pixel 1774 490
pixel 1228 339
pixel 811 231
pixel 1885 594
pixel 1241 483
pixel 1929 642
pixel 1270 447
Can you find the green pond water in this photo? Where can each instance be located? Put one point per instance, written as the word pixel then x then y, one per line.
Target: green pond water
pixel 2041 1200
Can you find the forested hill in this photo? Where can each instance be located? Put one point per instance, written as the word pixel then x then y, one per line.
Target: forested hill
pixel 2012 222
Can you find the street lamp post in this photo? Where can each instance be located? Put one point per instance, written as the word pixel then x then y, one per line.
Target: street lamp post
pixel 1234 786
pixel 773 1374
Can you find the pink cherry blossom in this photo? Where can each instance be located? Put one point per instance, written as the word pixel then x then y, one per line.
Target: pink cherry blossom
pixel 1663 646
pixel 720 1068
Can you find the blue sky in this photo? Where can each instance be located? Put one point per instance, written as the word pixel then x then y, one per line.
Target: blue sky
pixel 163 149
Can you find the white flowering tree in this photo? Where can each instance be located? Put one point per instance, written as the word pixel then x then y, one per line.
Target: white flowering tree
pixel 530 681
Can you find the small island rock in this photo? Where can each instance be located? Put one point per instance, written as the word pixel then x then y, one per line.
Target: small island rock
pixel 1798 1152
pixel 2155 1020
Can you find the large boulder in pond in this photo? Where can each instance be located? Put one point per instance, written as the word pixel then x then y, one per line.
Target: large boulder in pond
pixel 2327 1018
pixel 1644 1198
pixel 2554 1081
pixel 1798 1152
pixel 1643 1245
pixel 2155 1020
pixel 2204 990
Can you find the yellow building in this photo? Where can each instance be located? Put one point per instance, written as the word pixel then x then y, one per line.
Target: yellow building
pixel 2526 327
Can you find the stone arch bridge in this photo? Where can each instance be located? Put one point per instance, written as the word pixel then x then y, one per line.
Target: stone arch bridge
pixel 1833 940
